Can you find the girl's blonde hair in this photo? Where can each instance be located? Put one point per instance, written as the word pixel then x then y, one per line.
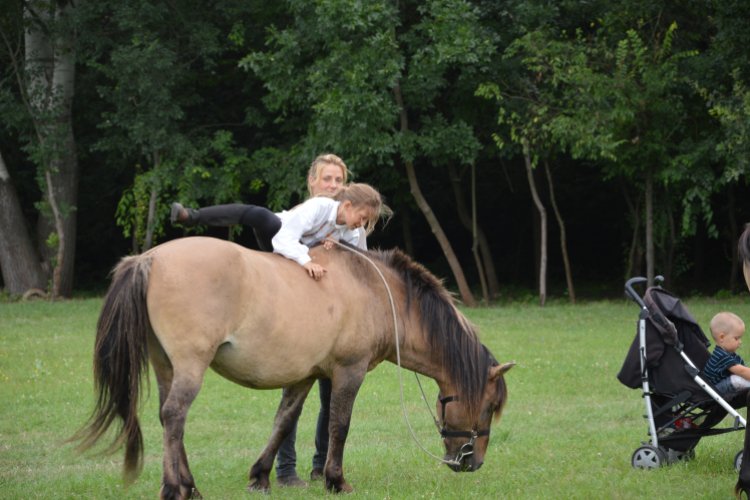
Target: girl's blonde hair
pixel 316 169
pixel 363 195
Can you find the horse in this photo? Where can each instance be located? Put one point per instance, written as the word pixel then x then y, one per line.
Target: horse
pixel 258 320
pixel 743 481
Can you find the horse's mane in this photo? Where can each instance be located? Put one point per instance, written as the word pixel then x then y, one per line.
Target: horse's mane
pixel 452 338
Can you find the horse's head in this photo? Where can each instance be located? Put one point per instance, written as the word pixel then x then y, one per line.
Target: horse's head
pixel 466 436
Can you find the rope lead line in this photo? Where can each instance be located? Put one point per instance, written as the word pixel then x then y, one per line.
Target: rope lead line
pixel 398 354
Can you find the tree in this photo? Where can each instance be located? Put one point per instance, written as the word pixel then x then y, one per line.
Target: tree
pixel 45 77
pixel 19 264
pixel 618 104
pixel 154 63
pixel 369 77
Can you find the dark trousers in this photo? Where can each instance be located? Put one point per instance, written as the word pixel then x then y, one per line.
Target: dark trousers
pixel 265 225
pixel 286 457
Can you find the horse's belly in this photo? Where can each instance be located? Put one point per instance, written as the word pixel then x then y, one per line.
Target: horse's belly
pixel 262 367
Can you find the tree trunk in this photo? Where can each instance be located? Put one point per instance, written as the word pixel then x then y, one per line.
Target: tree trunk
pixel 151 222
pixel 650 226
pixel 672 243
pixel 699 254
pixel 734 236
pixel 406 226
pixel 543 215
pixel 468 223
pixel 50 87
pixel 563 243
pixel 138 171
pixel 635 211
pixel 19 261
pixel 475 244
pixel 458 273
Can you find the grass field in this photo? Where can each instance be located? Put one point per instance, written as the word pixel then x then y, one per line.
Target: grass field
pixel 568 430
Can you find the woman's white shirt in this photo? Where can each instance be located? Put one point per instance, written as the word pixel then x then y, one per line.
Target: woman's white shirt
pixel 309 224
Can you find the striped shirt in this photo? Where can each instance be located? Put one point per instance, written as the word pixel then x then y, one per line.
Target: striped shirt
pixel 717 368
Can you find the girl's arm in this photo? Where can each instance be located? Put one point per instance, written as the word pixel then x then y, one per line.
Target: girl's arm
pixel 293 226
pixel 742 371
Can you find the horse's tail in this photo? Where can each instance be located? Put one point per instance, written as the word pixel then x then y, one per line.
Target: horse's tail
pixel 120 361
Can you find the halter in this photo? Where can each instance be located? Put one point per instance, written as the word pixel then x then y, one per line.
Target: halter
pixel 468 448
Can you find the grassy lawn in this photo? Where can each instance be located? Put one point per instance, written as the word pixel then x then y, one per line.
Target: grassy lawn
pixel 568 431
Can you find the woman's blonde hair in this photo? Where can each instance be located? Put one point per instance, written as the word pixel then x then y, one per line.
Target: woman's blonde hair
pixel 363 195
pixel 316 169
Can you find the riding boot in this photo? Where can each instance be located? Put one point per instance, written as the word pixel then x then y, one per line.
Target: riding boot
pixel 183 216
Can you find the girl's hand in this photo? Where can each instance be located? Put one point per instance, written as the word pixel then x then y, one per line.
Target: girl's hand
pixel 329 244
pixel 315 270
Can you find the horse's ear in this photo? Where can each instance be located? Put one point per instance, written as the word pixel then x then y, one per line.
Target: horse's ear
pixel 497 371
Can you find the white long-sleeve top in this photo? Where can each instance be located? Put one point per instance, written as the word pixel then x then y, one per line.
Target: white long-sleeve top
pixel 308 225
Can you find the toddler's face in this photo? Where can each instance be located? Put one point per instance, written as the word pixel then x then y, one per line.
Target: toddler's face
pixel 733 341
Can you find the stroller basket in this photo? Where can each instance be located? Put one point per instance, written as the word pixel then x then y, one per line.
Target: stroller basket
pixel 666 360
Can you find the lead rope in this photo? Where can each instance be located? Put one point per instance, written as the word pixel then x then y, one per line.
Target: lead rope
pixel 398 356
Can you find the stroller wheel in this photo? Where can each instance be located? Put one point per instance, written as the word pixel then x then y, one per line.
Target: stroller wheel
pixel 738 460
pixel 648 457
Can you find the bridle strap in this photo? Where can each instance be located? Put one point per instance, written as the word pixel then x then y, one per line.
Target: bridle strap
pixel 467 434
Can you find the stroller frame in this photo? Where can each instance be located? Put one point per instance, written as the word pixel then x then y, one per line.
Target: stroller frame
pixel 652 455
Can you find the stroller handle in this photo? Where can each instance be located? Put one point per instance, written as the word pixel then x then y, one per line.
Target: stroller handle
pixel 631 293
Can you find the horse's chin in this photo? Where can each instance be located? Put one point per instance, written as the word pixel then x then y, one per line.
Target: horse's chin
pixel 464 465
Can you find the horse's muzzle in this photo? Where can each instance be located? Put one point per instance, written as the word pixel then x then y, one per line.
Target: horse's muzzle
pixel 466 460
pixel 465 465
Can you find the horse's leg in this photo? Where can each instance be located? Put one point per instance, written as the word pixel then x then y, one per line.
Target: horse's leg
pixel 346 384
pixel 164 375
pixel 289 410
pixel 177 481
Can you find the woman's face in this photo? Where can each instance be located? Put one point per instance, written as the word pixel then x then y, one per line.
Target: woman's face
pixel 331 178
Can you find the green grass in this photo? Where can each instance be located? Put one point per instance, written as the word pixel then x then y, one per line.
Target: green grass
pixel 568 430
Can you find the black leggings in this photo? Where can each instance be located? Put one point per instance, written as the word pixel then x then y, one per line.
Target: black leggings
pixel 265 223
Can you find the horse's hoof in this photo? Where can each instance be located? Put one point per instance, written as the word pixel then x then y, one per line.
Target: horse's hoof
pixel 194 493
pixel 257 487
pixel 344 488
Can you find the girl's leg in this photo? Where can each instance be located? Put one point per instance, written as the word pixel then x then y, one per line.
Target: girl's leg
pixel 217 215
pixel 265 225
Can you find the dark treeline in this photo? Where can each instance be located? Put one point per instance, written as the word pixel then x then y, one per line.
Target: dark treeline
pixel 617 127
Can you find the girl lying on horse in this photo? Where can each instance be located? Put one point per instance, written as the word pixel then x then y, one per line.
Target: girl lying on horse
pixel 292 233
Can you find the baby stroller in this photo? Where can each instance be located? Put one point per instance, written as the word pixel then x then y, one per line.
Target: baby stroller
pixel 666 361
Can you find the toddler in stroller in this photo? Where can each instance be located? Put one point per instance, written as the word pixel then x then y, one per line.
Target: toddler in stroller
pixel 666 360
